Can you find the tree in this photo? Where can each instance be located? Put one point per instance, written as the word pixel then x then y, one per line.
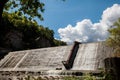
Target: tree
pixel 32 8
pixel 28 33
pixel 20 18
pixel 114 38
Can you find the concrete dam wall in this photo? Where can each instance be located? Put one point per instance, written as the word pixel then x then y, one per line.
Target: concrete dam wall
pixel 91 56
pixel 56 60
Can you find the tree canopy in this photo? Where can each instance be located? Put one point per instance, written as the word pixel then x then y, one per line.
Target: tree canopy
pixel 20 19
pixel 114 38
pixel 31 8
pixel 33 35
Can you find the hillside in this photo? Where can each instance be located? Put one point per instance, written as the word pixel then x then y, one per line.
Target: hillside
pixel 20 33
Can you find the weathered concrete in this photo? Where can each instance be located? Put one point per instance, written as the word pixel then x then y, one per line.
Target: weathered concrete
pixel 38 59
pixel 88 58
pixel 91 56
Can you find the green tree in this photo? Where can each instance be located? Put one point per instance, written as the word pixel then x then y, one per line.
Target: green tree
pixel 114 38
pixel 32 8
pixel 32 33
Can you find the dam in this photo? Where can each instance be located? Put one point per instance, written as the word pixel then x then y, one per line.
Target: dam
pixel 55 61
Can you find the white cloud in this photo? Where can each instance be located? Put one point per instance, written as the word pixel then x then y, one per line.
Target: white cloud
pixel 86 31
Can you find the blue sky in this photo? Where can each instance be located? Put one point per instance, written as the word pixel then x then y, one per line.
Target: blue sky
pixel 59 14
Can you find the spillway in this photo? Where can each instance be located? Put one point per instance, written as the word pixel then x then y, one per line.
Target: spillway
pixel 86 58
pixel 91 56
pixel 54 61
pixel 35 60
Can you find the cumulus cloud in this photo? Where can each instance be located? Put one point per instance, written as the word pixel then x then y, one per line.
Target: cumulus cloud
pixel 86 31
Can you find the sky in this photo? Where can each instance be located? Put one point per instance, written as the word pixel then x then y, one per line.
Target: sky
pixel 80 20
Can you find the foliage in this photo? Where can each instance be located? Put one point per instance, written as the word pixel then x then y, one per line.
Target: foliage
pixel 71 78
pixel 30 29
pixel 114 38
pixel 21 19
pixel 108 76
pixel 58 42
pixel 32 8
pixel 89 77
pixel 84 77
